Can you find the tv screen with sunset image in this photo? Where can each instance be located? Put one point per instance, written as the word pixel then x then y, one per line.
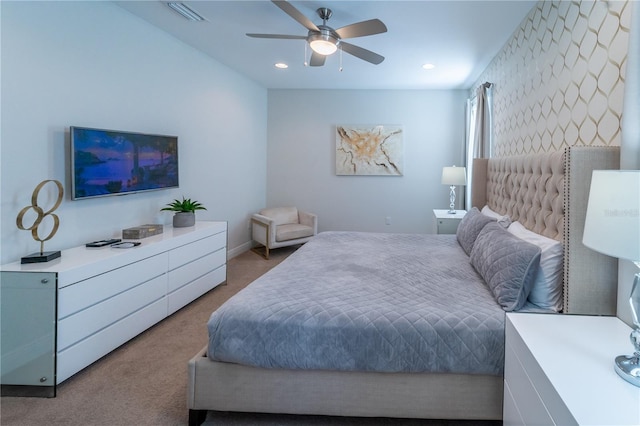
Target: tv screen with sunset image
pixel 107 162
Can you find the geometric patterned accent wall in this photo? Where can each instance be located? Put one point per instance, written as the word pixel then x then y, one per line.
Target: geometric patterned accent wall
pixel 559 80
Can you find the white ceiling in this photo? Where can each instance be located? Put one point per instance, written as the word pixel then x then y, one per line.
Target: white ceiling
pixel 459 37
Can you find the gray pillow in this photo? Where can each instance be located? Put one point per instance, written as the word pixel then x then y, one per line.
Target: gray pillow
pixel 469 228
pixel 507 264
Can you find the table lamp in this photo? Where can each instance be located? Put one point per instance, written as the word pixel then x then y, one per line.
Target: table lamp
pixel 453 176
pixel 612 227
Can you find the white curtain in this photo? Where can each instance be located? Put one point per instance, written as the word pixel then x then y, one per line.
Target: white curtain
pixel 630 147
pixel 479 114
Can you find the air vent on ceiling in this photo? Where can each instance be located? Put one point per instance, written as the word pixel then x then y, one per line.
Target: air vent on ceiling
pixel 185 11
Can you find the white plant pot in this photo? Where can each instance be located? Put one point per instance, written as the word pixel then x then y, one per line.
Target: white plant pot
pixel 184 219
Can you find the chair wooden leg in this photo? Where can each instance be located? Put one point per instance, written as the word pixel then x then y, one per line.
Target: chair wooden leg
pixel 264 254
pixel 262 251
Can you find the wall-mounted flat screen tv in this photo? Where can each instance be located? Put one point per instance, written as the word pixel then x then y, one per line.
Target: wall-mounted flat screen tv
pixel 109 162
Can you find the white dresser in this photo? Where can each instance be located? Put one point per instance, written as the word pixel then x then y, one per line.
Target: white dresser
pixel 559 371
pixel 58 317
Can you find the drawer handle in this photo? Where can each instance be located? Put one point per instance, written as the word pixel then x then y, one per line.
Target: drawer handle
pixel 43 379
pixel 44 280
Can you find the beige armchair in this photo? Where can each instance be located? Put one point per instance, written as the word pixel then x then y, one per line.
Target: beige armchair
pixel 280 227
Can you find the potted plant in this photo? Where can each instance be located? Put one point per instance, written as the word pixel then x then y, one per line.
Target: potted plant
pixel 185 212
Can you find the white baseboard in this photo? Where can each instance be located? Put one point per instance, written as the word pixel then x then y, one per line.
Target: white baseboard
pixel 239 250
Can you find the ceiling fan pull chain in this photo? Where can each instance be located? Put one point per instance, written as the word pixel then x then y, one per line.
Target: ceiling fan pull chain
pixel 340 58
pixel 306 63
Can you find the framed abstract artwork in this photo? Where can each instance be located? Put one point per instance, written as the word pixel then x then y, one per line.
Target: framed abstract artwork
pixel 369 150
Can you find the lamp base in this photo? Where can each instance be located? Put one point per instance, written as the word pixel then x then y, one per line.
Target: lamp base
pixel 452 200
pixel 628 367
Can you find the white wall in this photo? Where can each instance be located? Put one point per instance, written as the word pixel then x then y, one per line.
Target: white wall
pixel 94 64
pixel 301 156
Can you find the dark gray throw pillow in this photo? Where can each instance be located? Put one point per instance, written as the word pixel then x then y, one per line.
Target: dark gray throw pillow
pixel 507 264
pixel 470 227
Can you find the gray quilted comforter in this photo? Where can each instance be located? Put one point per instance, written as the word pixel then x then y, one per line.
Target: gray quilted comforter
pixel 365 302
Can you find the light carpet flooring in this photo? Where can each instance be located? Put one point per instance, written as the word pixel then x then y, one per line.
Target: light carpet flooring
pixel 144 382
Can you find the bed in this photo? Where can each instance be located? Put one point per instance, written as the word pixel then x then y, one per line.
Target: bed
pixel 344 362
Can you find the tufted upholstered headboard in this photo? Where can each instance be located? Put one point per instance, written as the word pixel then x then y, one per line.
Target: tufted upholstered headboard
pixel 548 194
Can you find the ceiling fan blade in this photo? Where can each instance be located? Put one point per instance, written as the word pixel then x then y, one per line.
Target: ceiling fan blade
pixel 317 60
pixel 295 14
pixel 359 52
pixel 361 29
pixel 281 36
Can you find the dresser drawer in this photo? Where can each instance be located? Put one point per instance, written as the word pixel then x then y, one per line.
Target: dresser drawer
pixel 510 413
pixel 93 319
pixel 86 293
pixel 199 267
pixel 448 226
pixel 186 253
pixel 533 411
pixel 195 289
pixel 85 352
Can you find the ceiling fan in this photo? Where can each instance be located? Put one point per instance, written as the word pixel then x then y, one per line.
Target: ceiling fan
pixel 324 40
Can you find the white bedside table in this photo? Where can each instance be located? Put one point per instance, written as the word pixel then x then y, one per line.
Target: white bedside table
pixel 447 223
pixel 559 371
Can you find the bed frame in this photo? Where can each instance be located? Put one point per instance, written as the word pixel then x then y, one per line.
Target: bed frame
pixel 548 194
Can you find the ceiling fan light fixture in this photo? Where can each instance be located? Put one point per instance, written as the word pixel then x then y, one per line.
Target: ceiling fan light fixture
pixel 324 40
pixel 323 44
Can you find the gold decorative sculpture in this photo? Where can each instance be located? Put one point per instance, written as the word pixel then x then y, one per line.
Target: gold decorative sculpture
pixel 41 256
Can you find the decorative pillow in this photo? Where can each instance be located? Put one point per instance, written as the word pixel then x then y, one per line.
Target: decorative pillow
pixel 546 292
pixel 507 264
pixel 503 220
pixel 469 228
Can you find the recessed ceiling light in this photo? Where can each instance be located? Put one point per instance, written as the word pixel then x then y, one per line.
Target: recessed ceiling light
pixel 281 65
pixel 428 66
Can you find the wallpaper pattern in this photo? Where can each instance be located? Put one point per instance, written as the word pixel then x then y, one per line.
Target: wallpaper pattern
pixel 559 80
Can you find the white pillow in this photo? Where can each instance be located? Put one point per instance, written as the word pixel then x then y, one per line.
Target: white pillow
pixel 547 287
pixel 503 220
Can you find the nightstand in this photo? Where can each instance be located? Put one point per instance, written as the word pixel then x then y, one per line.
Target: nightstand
pixel 559 371
pixel 447 223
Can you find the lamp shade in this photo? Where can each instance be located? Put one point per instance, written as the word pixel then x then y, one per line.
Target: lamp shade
pixel 612 225
pixel 454 176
